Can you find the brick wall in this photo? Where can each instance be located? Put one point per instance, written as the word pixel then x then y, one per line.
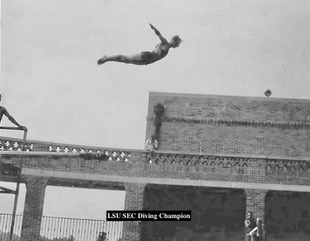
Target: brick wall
pixel 192 168
pixel 232 125
pixel 33 209
pixel 255 202
pixel 133 201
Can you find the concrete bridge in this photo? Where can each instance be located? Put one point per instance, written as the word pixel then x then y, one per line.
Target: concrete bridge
pixel 219 156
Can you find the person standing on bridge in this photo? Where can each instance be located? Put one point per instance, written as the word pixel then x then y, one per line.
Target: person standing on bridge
pixel 257 233
pixel 146 57
pixel 102 236
pixel 151 144
pixel 249 225
pixel 3 111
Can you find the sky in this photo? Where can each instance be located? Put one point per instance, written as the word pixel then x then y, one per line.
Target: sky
pixel 51 83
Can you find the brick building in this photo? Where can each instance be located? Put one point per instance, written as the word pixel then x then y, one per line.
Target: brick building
pixel 219 156
pixel 268 136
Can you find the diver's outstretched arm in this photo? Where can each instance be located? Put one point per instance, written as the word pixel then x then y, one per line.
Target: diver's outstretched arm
pixel 11 118
pixel 162 39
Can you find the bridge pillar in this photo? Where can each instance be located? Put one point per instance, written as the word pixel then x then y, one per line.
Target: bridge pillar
pixel 255 203
pixel 33 209
pixel 133 201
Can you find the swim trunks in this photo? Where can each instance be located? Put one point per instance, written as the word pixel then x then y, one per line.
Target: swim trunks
pixel 149 57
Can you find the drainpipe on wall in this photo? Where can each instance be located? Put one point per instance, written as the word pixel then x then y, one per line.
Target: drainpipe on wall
pixel 158 110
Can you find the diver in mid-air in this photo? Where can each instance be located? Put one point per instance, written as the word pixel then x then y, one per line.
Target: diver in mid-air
pixel 146 57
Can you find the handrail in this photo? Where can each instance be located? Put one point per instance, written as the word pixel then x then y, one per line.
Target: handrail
pixel 10 128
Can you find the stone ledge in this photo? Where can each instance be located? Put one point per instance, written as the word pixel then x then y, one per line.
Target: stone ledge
pixel 233 122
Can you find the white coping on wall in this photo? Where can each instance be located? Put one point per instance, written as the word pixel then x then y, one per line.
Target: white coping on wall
pixel 258 98
pixel 164 181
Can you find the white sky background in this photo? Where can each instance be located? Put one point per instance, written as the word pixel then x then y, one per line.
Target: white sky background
pixel 67 202
pixel 51 83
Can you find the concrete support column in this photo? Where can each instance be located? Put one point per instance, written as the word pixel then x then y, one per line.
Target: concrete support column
pixel 133 201
pixel 33 209
pixel 255 203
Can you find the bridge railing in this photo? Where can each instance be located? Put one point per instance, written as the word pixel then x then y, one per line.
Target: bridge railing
pixel 178 162
pixel 111 154
pixel 65 229
pixel 230 165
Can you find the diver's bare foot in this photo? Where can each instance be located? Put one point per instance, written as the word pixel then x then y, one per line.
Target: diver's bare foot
pixel 102 60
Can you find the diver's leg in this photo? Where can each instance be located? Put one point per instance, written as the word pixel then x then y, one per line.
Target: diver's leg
pixel 133 59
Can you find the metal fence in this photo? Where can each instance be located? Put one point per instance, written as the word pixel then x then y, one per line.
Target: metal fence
pixel 63 229
pixel 5 226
